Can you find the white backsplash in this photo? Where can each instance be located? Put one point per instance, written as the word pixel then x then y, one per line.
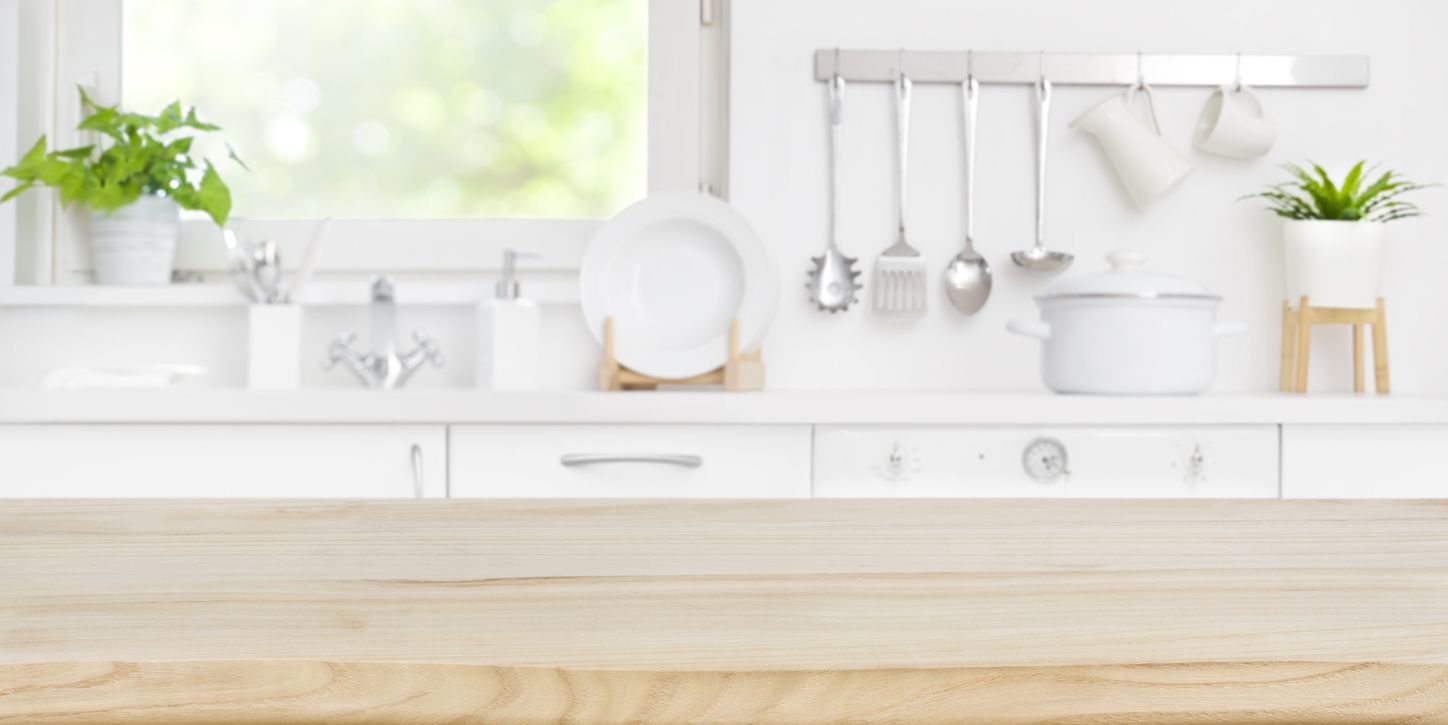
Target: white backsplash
pixel 778 177
pixel 46 338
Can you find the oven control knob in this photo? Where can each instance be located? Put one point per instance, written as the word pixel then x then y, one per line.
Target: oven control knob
pixel 1196 468
pixel 895 464
pixel 1045 460
pixel 898 465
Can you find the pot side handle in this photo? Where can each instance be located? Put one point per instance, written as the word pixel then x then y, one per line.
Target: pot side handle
pixel 1223 329
pixel 1030 329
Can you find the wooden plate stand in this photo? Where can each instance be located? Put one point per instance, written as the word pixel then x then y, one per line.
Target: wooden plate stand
pixel 1297 342
pixel 743 370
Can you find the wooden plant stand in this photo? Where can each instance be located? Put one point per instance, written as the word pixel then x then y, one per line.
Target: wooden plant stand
pixel 1297 342
pixel 743 370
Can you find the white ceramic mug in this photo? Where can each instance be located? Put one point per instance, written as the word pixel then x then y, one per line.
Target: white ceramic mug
pixel 1147 165
pixel 1233 124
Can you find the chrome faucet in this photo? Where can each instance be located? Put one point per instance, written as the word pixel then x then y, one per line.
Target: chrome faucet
pixel 384 367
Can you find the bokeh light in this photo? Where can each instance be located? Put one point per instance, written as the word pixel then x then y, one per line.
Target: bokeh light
pixel 417 109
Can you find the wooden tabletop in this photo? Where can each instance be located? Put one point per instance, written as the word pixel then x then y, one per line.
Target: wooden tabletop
pixel 725 612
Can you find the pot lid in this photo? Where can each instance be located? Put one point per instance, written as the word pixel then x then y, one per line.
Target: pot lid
pixel 1125 278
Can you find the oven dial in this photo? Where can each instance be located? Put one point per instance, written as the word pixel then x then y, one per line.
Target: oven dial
pixel 1045 460
pixel 898 465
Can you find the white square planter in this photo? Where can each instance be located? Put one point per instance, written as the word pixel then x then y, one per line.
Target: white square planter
pixel 1334 263
pixel 274 347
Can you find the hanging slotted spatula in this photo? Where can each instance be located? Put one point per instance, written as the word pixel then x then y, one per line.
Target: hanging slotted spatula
pixel 899 286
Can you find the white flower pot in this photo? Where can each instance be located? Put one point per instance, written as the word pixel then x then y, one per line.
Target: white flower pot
pixel 1334 263
pixel 136 245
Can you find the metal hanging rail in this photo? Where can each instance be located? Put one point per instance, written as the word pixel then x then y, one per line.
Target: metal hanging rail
pixel 1101 69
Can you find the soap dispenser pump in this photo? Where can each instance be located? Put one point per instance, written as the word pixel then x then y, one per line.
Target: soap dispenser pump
pixel 508 326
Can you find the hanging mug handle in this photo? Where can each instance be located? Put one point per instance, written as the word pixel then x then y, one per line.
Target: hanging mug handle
pixel 1150 103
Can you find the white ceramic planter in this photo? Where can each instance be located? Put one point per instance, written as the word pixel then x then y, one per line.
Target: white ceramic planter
pixel 1334 263
pixel 136 245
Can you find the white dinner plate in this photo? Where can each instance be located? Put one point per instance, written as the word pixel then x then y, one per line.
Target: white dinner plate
pixel 672 270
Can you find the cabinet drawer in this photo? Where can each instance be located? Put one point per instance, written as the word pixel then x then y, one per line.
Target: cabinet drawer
pixel 630 461
pixel 1363 461
pixel 222 461
pixel 1057 462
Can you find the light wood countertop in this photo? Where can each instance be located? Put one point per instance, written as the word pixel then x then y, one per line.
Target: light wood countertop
pixel 727 612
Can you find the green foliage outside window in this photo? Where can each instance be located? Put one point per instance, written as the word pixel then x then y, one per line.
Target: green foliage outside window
pixel 407 109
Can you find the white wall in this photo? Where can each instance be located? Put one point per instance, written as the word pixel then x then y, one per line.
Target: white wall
pixel 778 177
pixel 778 180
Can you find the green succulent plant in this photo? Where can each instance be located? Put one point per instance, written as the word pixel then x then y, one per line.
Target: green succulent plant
pixel 142 155
pixel 1313 195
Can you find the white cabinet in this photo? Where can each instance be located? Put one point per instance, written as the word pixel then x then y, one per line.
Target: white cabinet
pixel 632 461
pixel 223 461
pixel 1364 461
pixel 1046 462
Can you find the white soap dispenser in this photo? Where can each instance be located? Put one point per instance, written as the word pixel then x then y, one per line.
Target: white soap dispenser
pixel 508 352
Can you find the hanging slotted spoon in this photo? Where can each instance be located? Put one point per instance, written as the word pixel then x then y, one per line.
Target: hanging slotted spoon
pixel 832 282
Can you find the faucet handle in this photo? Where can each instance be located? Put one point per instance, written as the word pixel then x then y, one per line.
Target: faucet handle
pixel 429 348
pixel 337 351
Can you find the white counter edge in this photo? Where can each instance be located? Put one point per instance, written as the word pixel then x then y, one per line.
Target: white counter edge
pixel 817 408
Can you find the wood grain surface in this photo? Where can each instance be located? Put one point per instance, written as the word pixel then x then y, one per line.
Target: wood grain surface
pixel 728 611
pixel 398 694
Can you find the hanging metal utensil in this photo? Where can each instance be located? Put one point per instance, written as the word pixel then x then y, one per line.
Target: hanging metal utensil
pixel 1037 259
pixel 968 276
pixel 833 281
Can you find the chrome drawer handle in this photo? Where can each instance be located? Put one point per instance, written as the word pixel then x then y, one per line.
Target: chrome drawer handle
pixel 417 475
pixel 574 460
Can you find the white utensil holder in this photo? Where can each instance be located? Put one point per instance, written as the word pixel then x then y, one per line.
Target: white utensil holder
pixel 274 347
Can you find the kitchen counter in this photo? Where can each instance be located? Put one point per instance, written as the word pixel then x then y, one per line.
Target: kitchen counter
pixel 821 407
pixel 666 612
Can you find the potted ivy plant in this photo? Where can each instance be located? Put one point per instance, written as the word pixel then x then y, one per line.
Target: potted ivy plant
pixel 1336 233
pixel 133 186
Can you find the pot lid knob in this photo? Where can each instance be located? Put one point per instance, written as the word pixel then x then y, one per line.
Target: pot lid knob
pixel 1122 260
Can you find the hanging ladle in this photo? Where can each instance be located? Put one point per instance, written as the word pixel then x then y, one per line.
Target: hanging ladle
pixel 1037 260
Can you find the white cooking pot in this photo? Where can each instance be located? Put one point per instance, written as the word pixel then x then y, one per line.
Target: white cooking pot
pixel 1127 332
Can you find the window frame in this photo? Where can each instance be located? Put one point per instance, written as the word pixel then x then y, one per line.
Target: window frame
pixel 9 130
pixel 687 142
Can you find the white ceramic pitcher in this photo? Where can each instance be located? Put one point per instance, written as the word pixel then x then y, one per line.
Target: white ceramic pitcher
pixel 1147 165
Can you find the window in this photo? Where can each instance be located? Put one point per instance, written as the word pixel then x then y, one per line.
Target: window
pixel 435 132
pixel 9 128
pixel 423 109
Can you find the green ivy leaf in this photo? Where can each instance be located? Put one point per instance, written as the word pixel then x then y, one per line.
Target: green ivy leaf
pixel 19 188
pixel 75 154
pixel 192 122
pixel 231 154
pixel 170 118
pixel 35 154
pixel 214 197
pixel 143 158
